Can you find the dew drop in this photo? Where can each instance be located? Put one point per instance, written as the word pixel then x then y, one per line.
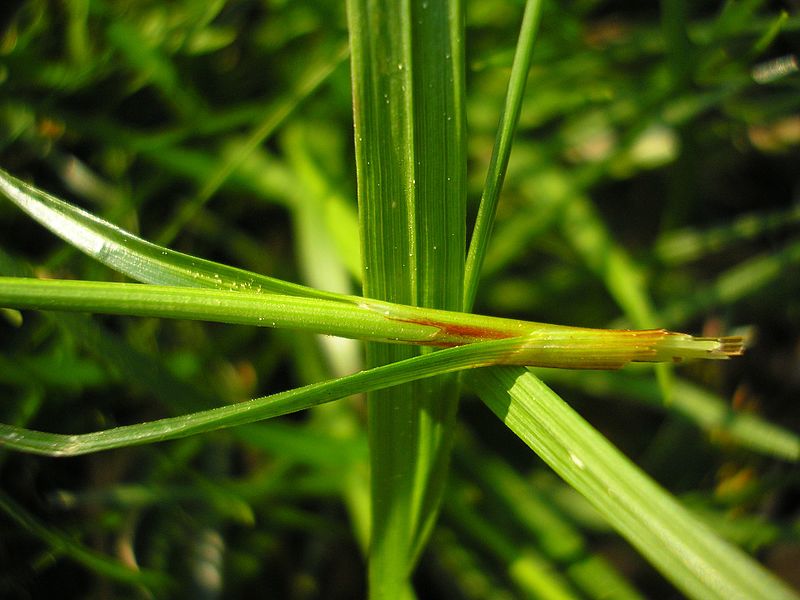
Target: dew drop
pixel 576 461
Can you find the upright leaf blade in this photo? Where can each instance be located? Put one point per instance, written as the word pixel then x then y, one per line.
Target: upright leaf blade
pixel 502 150
pixel 408 94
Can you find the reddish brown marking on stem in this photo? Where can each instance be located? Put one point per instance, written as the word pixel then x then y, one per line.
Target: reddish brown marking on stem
pixel 457 334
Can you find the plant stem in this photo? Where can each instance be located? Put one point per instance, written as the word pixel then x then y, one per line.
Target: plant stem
pixel 540 344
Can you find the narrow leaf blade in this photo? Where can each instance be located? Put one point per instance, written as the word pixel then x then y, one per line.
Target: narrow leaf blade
pixel 133 256
pixel 679 545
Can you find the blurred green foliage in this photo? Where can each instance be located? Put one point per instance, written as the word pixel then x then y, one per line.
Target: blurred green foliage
pixel 654 181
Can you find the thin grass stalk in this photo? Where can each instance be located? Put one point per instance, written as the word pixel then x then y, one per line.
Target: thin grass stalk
pixel 540 344
pixel 498 164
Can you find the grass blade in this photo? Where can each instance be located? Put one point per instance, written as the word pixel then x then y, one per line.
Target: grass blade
pixel 133 256
pixel 395 374
pixel 679 545
pixel 704 409
pixel 408 97
pixel 502 150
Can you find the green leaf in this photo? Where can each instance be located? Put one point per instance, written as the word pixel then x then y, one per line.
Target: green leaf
pixel 394 374
pixel 704 409
pixel 689 554
pixel 133 256
pixel 502 150
pixel 410 126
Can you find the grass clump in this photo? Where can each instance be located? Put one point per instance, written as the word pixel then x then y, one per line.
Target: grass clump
pixel 650 185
